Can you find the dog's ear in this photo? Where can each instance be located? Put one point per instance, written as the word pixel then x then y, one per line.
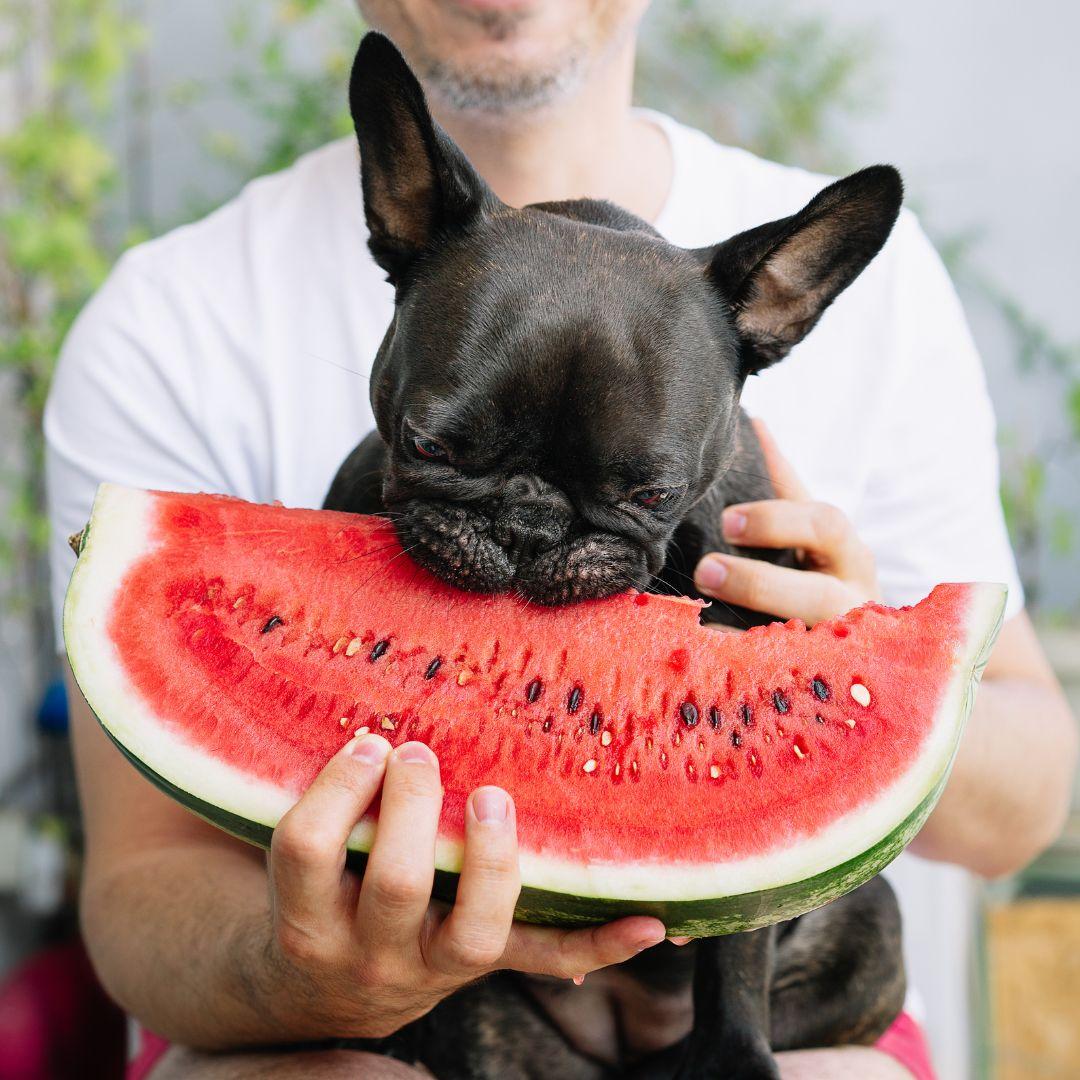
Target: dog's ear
pixel 780 277
pixel 416 181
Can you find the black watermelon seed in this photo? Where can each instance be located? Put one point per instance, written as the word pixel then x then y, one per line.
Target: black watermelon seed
pixel 274 620
pixel 534 690
pixel 689 713
pixel 819 718
pixel 379 650
pixel 547 724
pixel 736 739
pixel 821 691
pixel 573 702
pixel 594 723
pixel 781 703
pixel 747 714
pixel 433 667
pixel 714 716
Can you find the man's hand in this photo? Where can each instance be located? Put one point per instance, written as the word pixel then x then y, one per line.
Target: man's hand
pixel 839 572
pixel 999 809
pixel 370 955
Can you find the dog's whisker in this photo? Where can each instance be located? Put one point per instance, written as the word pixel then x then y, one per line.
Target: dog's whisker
pixel 340 367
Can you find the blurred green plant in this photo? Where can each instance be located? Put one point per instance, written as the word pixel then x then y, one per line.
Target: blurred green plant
pixel 1037 525
pixel 62 61
pixel 778 82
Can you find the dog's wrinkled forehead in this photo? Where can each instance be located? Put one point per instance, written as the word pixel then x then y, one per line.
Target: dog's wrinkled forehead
pixel 561 328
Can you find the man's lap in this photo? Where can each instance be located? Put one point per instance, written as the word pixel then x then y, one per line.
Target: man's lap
pixel 901 1054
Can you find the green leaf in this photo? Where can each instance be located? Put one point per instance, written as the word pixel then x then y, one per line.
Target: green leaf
pixel 1072 405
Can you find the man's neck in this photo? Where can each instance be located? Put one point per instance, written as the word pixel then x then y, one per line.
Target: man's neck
pixel 590 145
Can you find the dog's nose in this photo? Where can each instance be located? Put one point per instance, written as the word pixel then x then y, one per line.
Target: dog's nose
pixel 529 529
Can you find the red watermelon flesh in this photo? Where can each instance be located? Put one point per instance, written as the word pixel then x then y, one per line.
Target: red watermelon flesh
pixel 247 643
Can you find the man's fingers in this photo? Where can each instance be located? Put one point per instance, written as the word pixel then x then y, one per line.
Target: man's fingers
pixel 820 530
pixel 400 870
pixel 472 939
pixel 307 853
pixel 566 953
pixel 777 590
pixel 784 478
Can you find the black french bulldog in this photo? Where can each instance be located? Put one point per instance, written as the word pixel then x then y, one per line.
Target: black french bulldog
pixel 557 401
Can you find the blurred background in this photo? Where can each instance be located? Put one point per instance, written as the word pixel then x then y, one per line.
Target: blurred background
pixel 120 119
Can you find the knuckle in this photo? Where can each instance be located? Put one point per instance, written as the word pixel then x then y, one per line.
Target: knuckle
pixel 829 523
pixel 492 867
pixel 396 887
pixel 302 846
pixel 415 783
pixel 756 587
pixel 473 953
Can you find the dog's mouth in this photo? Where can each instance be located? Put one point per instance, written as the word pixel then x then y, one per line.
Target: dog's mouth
pixel 470 550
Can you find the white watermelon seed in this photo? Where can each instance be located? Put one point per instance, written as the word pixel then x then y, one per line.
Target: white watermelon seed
pixel 388 724
pixel 344 721
pixel 860 694
pixel 238 602
pixel 677 738
pixel 353 647
pixel 714 771
pixel 340 644
pixel 464 677
pixel 618 768
pixel 850 722
pixel 605 738
pixel 798 753
pixel 589 765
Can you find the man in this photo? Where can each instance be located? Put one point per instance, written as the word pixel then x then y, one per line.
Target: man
pixel 224 357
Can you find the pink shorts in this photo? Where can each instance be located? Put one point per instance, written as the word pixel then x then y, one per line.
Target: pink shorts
pixel 903 1042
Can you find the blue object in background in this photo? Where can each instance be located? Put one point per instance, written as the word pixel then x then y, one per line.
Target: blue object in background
pixel 52 714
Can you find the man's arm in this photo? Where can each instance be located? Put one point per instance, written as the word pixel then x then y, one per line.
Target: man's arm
pixel 190 934
pixel 1010 788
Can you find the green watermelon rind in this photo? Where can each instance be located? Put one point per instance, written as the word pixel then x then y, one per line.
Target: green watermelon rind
pixel 695 918
pixel 682 910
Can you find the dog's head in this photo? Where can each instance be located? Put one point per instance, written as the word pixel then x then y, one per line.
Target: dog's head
pixel 559 384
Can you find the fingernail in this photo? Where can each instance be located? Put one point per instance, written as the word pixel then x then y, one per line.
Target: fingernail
pixel 578 980
pixel 490 805
pixel 734 523
pixel 415 753
pixel 680 940
pixel 711 573
pixel 370 749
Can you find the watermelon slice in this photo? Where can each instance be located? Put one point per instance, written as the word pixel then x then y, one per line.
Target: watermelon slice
pixel 718 781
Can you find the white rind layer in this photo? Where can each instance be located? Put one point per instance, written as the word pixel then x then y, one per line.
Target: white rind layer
pixel 119 536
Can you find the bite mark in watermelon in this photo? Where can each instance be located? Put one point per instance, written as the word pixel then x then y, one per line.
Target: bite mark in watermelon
pixel 718 781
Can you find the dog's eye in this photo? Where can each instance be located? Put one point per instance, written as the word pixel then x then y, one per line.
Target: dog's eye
pixel 429 448
pixel 651 498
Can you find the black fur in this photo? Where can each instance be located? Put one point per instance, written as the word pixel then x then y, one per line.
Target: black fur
pixel 563 358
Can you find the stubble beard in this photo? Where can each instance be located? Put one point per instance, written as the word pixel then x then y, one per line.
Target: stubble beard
pixel 501 88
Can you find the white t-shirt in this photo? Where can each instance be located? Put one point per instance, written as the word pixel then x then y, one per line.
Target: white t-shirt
pixel 232 355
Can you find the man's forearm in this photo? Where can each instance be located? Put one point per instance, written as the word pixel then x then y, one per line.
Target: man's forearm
pixel 1006 800
pixel 181 939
